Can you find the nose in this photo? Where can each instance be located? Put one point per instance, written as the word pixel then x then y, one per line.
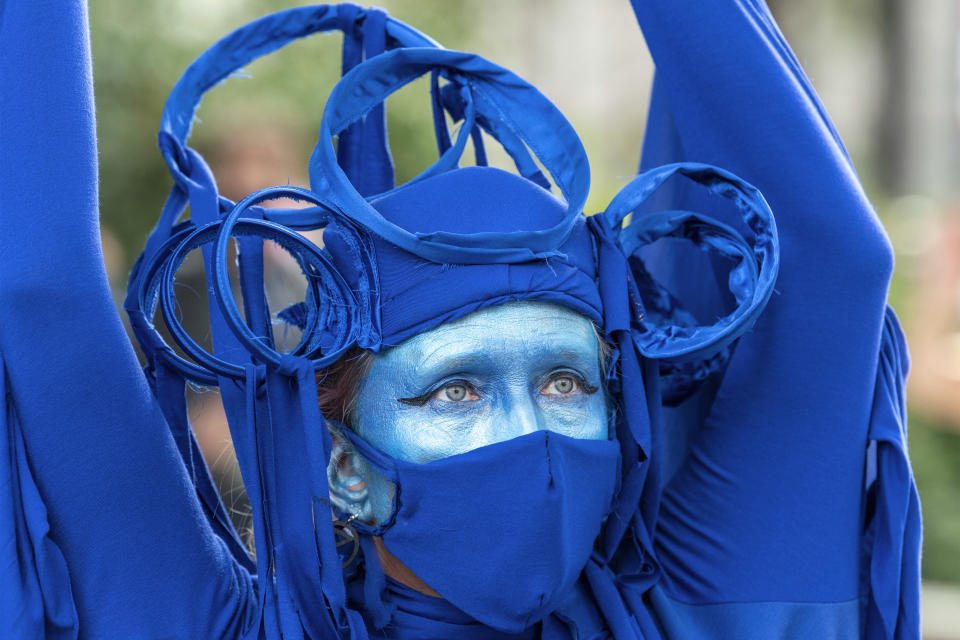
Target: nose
pixel 519 416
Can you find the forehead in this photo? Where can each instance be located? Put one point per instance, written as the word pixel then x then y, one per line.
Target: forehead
pixel 529 328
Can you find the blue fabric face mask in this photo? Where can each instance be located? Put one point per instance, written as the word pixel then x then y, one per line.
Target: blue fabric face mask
pixel 501 532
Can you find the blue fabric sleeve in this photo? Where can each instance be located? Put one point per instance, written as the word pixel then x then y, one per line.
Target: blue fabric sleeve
pixel 769 502
pixel 141 556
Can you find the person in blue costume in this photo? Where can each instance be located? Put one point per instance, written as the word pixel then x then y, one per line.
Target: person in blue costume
pixel 661 477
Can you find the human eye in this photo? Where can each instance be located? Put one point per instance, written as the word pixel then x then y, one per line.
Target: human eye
pixel 565 384
pixel 457 391
pixel 453 392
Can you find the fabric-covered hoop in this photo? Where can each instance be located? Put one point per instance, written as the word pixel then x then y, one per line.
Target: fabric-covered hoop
pixel 142 302
pixel 751 279
pixel 498 96
pixel 239 48
pixel 342 312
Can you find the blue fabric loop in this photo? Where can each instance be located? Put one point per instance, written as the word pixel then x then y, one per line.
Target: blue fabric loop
pixel 448 160
pixel 141 304
pixel 893 519
pixel 168 306
pixel 244 45
pixel 659 341
pixel 452 101
pixel 337 310
pixel 199 237
pixel 157 276
pixel 751 279
pixel 496 94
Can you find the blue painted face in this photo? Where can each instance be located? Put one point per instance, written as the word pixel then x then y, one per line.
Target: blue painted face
pixel 493 375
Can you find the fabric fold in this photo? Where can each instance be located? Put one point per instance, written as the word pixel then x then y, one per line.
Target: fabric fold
pixel 36 580
pixel 892 532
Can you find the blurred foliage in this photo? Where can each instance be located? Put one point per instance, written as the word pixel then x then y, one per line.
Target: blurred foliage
pixel 934 454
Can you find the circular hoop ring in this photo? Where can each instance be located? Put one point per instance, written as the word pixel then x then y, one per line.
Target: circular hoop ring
pixel 309 253
pixel 762 263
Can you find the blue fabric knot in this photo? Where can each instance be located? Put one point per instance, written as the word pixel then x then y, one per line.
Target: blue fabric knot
pixel 347 16
pixel 292 366
pixel 175 155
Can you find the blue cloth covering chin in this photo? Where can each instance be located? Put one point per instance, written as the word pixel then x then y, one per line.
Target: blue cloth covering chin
pixel 763 490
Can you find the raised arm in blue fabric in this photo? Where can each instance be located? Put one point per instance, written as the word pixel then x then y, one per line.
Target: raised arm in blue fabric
pixel 767 510
pixel 120 505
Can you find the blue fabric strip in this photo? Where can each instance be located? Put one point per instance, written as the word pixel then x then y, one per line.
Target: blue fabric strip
pixel 893 559
pixel 37 597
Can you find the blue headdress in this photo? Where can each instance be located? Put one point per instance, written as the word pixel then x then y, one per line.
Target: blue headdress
pixel 479 236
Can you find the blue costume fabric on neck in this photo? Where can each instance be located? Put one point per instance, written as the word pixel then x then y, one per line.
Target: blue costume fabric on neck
pixel 735 505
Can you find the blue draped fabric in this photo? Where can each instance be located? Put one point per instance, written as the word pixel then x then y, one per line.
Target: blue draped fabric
pixel 761 522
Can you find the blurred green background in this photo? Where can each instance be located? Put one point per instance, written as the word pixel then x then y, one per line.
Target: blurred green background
pixel 886 70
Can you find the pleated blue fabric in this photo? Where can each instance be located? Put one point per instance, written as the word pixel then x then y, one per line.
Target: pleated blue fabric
pixel 761 486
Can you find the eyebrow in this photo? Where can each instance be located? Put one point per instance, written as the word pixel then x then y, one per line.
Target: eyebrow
pixel 452 362
pixel 576 355
pixel 550 355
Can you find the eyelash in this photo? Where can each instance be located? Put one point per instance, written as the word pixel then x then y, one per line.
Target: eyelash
pixel 421 400
pixel 581 384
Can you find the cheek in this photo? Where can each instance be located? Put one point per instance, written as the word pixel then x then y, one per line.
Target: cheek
pixel 586 420
pixel 419 435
